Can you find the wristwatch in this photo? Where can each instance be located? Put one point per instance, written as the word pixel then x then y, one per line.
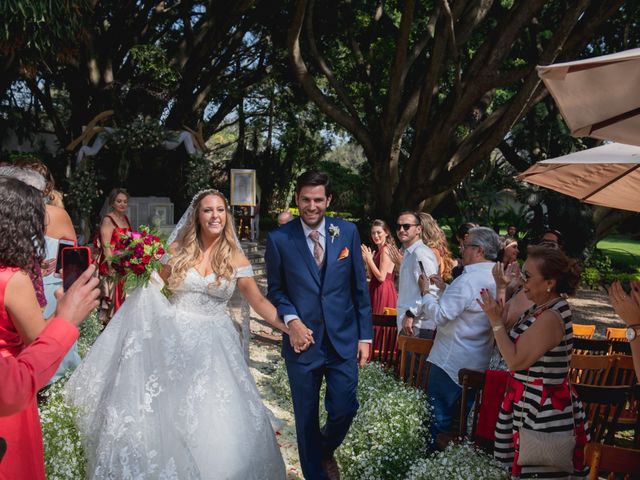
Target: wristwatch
pixel 632 332
pixel 410 314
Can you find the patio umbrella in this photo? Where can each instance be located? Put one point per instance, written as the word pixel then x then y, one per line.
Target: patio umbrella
pixel 598 97
pixel 608 175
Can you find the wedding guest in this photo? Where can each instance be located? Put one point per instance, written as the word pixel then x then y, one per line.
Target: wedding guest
pixel 553 236
pixel 114 224
pixel 22 216
pixel 382 290
pixel 411 321
pixel 509 251
pixel 58 226
pixel 29 371
pixel 460 235
pixel 434 238
pixel 284 218
pixel 537 350
pixel 628 309
pixel 512 231
pixel 464 334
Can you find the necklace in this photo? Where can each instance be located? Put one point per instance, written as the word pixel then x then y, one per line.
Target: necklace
pixel 539 309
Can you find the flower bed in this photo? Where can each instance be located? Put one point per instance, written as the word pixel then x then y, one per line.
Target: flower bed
pixel 458 461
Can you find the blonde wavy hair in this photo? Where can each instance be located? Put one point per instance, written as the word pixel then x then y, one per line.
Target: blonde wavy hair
pixel 189 245
pixel 434 237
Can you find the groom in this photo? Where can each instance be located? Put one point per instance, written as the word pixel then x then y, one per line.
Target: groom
pixel 317 282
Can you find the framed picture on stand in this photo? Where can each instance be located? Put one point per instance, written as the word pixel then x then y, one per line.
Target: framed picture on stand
pixel 243 187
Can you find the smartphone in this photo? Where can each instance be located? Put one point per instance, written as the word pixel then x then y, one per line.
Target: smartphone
pixel 62 244
pixel 75 260
pixel 421 267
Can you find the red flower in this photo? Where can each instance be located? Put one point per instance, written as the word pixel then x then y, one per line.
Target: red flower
pixel 138 269
pixel 146 259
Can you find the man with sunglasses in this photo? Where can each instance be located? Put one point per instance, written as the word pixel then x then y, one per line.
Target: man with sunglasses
pixel 410 320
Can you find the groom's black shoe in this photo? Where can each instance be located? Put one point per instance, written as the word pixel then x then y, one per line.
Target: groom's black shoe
pixel 330 467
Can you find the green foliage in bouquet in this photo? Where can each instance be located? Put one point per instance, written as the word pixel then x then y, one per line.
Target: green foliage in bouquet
pixel 459 461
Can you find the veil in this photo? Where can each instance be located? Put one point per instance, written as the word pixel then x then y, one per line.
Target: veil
pixel 237 307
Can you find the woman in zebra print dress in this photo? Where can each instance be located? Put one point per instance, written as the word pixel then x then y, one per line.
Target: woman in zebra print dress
pixel 537 351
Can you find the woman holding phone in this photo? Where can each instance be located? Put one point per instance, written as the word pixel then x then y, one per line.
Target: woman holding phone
pixel 22 247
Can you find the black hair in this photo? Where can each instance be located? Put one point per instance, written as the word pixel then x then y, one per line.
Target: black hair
pixel 314 178
pixel 557 233
pixel 463 229
pixel 22 214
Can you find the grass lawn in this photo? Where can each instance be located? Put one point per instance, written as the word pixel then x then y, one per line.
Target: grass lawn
pixel 624 252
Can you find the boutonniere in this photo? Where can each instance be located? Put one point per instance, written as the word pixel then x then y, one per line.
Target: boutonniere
pixel 334 231
pixel 344 253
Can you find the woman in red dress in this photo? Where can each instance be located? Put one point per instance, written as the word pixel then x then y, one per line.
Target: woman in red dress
pixel 22 243
pixel 382 290
pixel 113 225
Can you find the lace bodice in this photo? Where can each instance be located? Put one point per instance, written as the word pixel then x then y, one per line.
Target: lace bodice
pixel 202 294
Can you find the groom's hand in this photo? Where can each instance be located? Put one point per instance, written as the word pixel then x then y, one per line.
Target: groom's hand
pixel 363 353
pixel 300 336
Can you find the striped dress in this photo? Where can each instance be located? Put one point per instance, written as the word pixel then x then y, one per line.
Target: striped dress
pixel 540 398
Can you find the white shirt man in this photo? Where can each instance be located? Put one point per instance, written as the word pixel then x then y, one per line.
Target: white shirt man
pixel 410 318
pixel 464 338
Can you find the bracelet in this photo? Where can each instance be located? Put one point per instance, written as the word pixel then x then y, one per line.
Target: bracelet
pixel 497 328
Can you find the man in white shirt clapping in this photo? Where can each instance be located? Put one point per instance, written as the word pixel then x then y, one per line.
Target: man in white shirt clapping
pixel 464 337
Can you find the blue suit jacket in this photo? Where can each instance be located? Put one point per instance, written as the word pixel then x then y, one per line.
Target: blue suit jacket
pixel 335 304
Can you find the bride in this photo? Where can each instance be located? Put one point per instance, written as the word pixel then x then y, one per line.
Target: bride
pixel 165 391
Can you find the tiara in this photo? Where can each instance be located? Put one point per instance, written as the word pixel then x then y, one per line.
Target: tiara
pixel 208 191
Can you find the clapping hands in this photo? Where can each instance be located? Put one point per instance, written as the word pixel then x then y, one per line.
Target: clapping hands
pixel 394 254
pixel 626 306
pixel 491 307
pixel 367 254
pixel 300 337
pixel 504 276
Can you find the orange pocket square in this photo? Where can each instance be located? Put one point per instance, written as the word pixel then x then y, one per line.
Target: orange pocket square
pixel 343 254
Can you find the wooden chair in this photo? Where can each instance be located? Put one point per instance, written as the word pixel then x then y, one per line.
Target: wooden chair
pixel 616 333
pixel 591 369
pixel 619 347
pixel 412 354
pixel 385 335
pixel 583 331
pixel 470 380
pixel 624 374
pixel 603 406
pixel 585 346
pixel 612 460
pixel 390 311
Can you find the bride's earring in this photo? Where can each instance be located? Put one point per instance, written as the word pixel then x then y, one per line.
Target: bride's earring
pixel 548 289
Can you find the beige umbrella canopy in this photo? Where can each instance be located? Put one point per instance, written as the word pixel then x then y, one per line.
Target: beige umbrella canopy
pixel 608 175
pixel 598 97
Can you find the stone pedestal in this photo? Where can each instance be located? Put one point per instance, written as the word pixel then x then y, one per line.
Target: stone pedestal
pixel 156 212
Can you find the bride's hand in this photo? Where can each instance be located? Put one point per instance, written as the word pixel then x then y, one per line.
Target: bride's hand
pixel 300 336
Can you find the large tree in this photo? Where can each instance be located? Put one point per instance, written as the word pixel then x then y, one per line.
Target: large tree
pixel 430 88
pixel 186 61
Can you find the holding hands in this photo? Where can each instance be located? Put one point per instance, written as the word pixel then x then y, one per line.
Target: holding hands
pixel 491 307
pixel 300 336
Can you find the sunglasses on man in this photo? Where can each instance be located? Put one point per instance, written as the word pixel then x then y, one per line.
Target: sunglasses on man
pixel 405 226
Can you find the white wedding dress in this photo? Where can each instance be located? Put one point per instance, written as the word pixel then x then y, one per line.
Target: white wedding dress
pixel 165 392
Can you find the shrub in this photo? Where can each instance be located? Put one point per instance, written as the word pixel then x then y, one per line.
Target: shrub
pixel 89 331
pixel 590 278
pixel 458 461
pixel 63 453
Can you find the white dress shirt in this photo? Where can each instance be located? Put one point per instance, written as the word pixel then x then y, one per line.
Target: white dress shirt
pixel 464 338
pixel 409 296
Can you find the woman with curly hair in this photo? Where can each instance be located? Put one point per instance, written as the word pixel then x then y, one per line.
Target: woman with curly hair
pixel 22 215
pixel 434 238
pixel 177 367
pixel 382 290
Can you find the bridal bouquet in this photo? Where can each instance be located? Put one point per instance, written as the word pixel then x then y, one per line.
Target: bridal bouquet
pixel 136 255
